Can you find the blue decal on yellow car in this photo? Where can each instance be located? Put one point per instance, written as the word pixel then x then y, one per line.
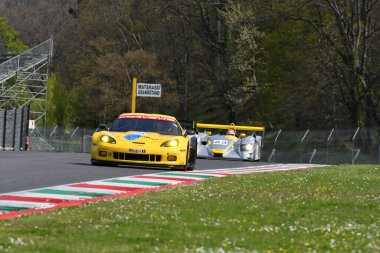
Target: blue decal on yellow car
pixel 134 136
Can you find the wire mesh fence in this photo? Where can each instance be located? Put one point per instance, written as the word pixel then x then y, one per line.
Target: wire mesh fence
pixel 60 139
pixel 360 145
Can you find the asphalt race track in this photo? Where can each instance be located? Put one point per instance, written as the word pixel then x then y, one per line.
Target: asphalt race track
pixel 29 170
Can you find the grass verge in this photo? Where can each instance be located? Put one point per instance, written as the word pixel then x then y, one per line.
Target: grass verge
pixel 334 209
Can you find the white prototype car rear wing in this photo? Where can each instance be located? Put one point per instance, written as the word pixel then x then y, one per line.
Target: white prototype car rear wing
pixel 232 125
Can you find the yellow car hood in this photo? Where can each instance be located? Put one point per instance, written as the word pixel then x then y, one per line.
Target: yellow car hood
pixel 141 137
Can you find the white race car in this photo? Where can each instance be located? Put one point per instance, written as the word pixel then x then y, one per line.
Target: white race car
pixel 228 144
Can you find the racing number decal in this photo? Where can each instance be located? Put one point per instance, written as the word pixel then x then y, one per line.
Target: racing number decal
pixel 220 142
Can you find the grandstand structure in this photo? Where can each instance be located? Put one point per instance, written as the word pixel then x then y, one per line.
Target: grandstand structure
pixel 24 80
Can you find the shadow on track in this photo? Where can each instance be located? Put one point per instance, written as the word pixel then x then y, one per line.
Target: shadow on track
pixel 122 166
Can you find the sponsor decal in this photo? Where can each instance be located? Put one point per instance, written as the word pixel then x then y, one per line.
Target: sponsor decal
pixel 220 142
pixel 134 136
pixel 146 117
pixel 150 138
pixel 137 151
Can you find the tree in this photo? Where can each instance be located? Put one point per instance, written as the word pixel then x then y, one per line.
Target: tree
pixel 244 51
pixel 57 102
pixel 193 44
pixel 9 38
pixel 347 31
pixel 104 53
pixel 286 64
pixel 37 20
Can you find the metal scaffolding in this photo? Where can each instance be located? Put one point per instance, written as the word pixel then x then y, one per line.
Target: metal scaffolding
pixel 24 80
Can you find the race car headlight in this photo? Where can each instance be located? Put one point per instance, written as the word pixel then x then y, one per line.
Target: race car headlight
pixel 108 139
pixel 246 147
pixel 170 143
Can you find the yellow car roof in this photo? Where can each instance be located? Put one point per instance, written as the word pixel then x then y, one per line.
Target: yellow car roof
pixel 147 116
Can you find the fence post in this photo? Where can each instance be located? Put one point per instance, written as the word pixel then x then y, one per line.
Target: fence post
pixel 50 137
pixel 4 128
pixel 21 128
pixel 303 138
pixel 83 140
pixel 327 144
pixel 353 157
pixel 71 136
pixel 273 153
pixel 312 155
pixel 14 129
pixel 356 155
pixel 27 128
pixel 63 141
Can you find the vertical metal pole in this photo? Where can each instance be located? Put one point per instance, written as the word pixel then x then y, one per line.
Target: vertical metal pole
pixel 272 156
pixel 71 136
pixel 312 155
pixel 134 84
pixel 82 143
pixel 14 128
pixel 4 127
pixel 275 140
pixel 50 138
pixel 327 145
pixel 63 141
pixel 27 143
pixel 21 123
pixel 353 158
pixel 51 47
pixel 303 138
pixel 356 156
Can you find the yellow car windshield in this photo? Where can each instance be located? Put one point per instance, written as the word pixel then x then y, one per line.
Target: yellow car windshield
pixel 165 127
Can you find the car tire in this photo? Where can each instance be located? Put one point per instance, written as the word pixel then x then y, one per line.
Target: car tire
pixel 193 154
pixel 96 162
pixel 190 167
pixel 101 163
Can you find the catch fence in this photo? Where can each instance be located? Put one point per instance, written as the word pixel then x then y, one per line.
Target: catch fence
pixel 334 146
pixel 60 139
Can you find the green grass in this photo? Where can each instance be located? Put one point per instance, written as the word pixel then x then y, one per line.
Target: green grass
pixel 332 209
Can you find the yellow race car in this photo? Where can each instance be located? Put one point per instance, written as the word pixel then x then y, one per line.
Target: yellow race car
pixel 145 139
